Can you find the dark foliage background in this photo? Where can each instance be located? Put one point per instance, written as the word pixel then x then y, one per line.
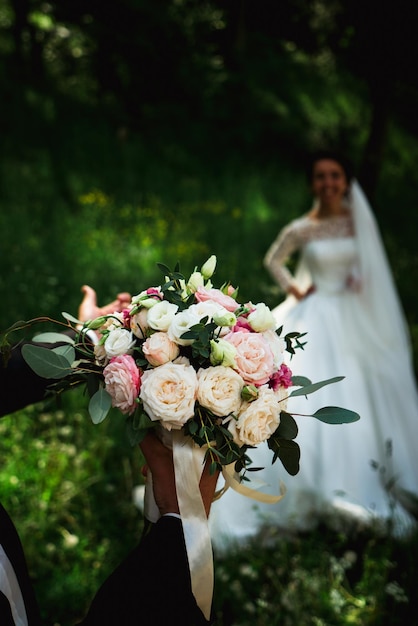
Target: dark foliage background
pixel 137 132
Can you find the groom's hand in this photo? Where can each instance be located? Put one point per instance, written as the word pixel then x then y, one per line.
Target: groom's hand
pixel 160 462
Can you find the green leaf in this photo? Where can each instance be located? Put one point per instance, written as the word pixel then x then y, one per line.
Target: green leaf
pixel 304 391
pixel 45 362
pixel 70 318
pixel 288 428
pixel 288 452
pixel 67 352
pixel 53 338
pixel 301 381
pixel 336 415
pixel 99 405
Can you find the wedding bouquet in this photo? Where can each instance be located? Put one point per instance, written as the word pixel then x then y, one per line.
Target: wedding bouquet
pixel 186 355
pixel 206 372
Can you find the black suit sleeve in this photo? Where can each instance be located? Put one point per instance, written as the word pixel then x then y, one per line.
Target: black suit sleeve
pixel 9 539
pixel 19 385
pixel 152 586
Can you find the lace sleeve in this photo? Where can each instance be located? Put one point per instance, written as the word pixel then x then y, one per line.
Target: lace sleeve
pixel 280 250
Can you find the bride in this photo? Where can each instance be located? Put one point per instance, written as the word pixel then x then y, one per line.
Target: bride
pixel 343 296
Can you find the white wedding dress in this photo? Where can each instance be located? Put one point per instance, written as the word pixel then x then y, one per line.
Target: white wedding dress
pixel 356 330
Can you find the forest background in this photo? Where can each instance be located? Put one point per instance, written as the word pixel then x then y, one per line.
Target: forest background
pixel 170 130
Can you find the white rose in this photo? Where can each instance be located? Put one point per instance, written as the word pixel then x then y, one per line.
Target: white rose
pixel 257 420
pixel 159 349
pixel 161 315
pixel 261 318
pixel 219 390
pixel 119 341
pixel 168 393
pixel 277 345
pixel 181 323
pixel 209 308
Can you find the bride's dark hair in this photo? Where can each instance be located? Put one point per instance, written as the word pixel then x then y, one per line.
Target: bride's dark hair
pixel 331 155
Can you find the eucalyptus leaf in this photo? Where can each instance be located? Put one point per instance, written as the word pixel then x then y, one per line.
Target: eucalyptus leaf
pixel 67 352
pixel 336 415
pixel 46 362
pixel 70 318
pixel 53 338
pixel 289 454
pixel 300 381
pixel 288 428
pixel 307 389
pixel 99 405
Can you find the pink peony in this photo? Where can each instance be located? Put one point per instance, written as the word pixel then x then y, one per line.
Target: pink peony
pixel 123 382
pixel 254 358
pixel 202 294
pixel 281 378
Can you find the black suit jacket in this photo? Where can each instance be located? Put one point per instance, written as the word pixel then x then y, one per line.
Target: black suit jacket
pixel 152 586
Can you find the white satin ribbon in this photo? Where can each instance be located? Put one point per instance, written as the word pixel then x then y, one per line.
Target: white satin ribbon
pixel 9 585
pixel 232 480
pixel 188 465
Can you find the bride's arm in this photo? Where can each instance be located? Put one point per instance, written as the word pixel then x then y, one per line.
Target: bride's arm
pixel 286 243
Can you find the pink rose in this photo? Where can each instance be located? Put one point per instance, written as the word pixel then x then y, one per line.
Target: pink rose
pixel 254 358
pixel 159 349
pixel 202 294
pixel 281 378
pixel 123 382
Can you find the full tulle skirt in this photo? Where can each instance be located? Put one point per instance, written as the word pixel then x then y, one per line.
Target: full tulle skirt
pixel 367 469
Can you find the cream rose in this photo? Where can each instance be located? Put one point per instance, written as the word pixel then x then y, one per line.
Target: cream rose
pixel 254 360
pixel 122 381
pixel 219 390
pixel 159 349
pixel 257 420
pixel 168 393
pixel 119 341
pixel 161 315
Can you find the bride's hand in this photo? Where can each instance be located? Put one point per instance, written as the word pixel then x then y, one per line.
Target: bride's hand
pixel 300 295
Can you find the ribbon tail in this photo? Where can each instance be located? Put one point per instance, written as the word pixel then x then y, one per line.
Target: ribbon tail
pixel 188 466
pixel 232 480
